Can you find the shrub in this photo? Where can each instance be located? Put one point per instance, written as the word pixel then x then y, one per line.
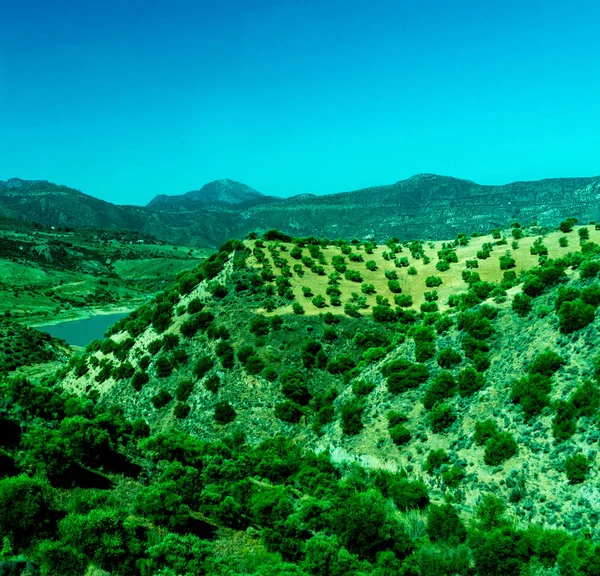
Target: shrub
pixel 181 410
pixel 161 398
pixel 532 393
pixel 448 358
pixel 441 417
pixel 395 418
pixel 484 431
pixel 533 286
pixel 163 366
pixel 453 477
pixel 575 315
pixel 567 225
pixel 591 295
pixel 564 423
pixel 522 304
pixel 443 523
pixel 441 388
pixel 297 308
pixel 400 434
pixel 586 399
pixel 224 413
pixel 498 448
pixel 288 412
pixel 367 288
pixel 427 307
pixel 563 241
pixel 353 276
pixel 471 264
pixel 202 366
pixel 362 387
pixel 254 364
pixel 507 262
pixel 412 271
pixel 184 390
pixel 403 300
pixel 319 301
pixel 293 386
pixel 351 416
pixel 384 314
pixel 435 461
pixel 546 363
pixel 442 266
pixel 394 286
pixel 469 382
pixel 577 468
pixel 403 375
pixel 371 265
pixel 589 269
pixel 391 274
pixel 433 281
pixel 139 379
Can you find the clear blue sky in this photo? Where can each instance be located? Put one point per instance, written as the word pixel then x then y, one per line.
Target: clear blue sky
pixel 125 99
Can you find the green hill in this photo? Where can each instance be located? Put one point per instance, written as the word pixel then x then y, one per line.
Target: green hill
pixel 303 406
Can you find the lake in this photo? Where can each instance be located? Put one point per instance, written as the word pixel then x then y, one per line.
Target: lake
pixel 82 332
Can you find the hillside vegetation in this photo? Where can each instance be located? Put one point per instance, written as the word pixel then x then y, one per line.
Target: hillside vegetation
pixel 315 407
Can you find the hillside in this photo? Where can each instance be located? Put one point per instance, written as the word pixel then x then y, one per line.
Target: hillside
pixel 424 206
pixel 301 406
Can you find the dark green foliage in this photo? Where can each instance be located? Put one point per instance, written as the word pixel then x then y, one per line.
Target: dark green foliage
pixel 163 366
pixel 442 387
pixel 196 322
pixel 341 364
pixel 400 434
pixel 521 304
pixel 293 386
pixel 288 412
pixel 441 417
pixel 181 410
pixel 161 398
pixel 546 363
pixel 403 375
pixel 394 286
pixel 433 281
pixel 532 393
pixel 436 460
pixel 184 390
pixel 589 269
pixel 577 468
pixel 213 383
pixel 139 379
pixel 353 275
pixel 484 431
pixel 448 358
pixel 224 413
pixel 254 364
pixel 453 477
pixel 586 399
pixel 203 366
pixel 498 448
pixel 26 509
pixel 362 387
pixel 384 314
pixel 194 306
pixel 443 523
pixel 351 416
pixel 469 382
pixel 507 262
pixel 567 225
pixel 564 424
pixel 591 295
pixel 575 315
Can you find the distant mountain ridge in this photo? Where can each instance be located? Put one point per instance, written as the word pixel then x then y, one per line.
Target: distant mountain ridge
pixel 423 206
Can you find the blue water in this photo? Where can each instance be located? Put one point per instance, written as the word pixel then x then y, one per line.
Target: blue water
pixel 82 332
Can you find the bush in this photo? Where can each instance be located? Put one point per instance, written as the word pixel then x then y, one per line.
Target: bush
pixel 139 379
pixel 522 304
pixel 575 315
pixel 441 417
pixel 577 468
pixel 319 301
pixel 384 314
pixel 224 413
pixel 362 387
pixel 353 276
pixel 181 410
pixel 507 262
pixel 400 434
pixel 371 265
pixel 441 388
pixel 297 308
pixel 546 363
pixel 433 281
pixel 589 269
pixel 448 358
pixel 469 382
pixel 161 398
pixel 351 416
pixel 412 271
pixel 532 393
pixel 203 366
pixel 403 375
pixel 164 366
pixel 394 286
pixel 443 523
pixel 484 431
pixel 498 448
pixel 293 386
pixel 184 390
pixel 288 412
pixel 403 300
pixel 436 460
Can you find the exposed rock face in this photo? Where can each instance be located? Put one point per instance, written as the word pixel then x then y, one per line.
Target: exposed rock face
pixel 424 206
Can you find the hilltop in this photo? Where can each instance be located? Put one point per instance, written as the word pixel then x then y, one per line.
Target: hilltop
pixel 424 206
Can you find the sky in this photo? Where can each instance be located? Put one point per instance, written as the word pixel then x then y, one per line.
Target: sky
pixel 128 99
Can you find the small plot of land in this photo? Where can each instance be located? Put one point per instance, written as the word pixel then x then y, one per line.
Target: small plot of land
pixel 413 272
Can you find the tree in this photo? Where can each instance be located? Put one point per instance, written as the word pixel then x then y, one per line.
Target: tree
pixel 575 315
pixel 26 509
pixel 441 417
pixel 444 523
pixel 522 304
pixel 351 416
pixel 224 413
pixel 433 281
pixel 448 358
pixel 293 386
pixel 576 468
pixel 498 448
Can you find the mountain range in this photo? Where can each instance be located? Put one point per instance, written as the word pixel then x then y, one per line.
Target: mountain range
pixel 423 206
